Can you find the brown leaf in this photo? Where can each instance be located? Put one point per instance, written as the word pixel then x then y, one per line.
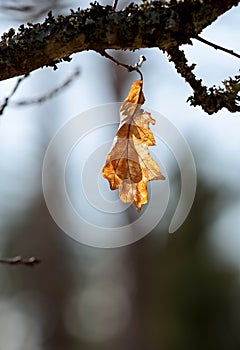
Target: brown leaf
pixel 129 165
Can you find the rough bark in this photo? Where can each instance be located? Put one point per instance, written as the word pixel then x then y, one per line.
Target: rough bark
pixel 163 24
pixel 97 28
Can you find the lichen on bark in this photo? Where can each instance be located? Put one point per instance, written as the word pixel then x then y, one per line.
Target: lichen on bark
pixel 163 24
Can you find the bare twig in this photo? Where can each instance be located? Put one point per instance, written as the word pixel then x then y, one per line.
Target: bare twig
pixel 18 260
pixel 54 92
pixel 128 67
pixel 6 101
pixel 140 61
pixel 217 47
pixel 115 2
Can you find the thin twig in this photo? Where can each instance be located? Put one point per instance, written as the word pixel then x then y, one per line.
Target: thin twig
pixel 115 2
pixel 5 103
pixel 217 47
pixel 54 92
pixel 18 260
pixel 128 67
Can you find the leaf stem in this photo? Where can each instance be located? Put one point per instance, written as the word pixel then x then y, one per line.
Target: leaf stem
pixel 128 67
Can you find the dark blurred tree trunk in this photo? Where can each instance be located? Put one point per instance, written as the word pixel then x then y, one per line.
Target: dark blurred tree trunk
pixel 185 295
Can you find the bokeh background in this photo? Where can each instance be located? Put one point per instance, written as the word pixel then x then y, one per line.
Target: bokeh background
pixel 177 291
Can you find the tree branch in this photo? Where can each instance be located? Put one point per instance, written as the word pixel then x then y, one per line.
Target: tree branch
pixel 155 24
pixel 18 260
pixel 210 99
pixel 50 94
pixel 6 100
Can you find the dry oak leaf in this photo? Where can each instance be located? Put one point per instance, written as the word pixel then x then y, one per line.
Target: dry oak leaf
pixel 129 165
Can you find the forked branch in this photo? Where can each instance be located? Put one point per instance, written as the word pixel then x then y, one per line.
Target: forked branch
pixel 163 24
pixel 150 24
pixel 210 99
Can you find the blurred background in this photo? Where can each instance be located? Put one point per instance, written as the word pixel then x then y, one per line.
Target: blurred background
pixel 177 291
